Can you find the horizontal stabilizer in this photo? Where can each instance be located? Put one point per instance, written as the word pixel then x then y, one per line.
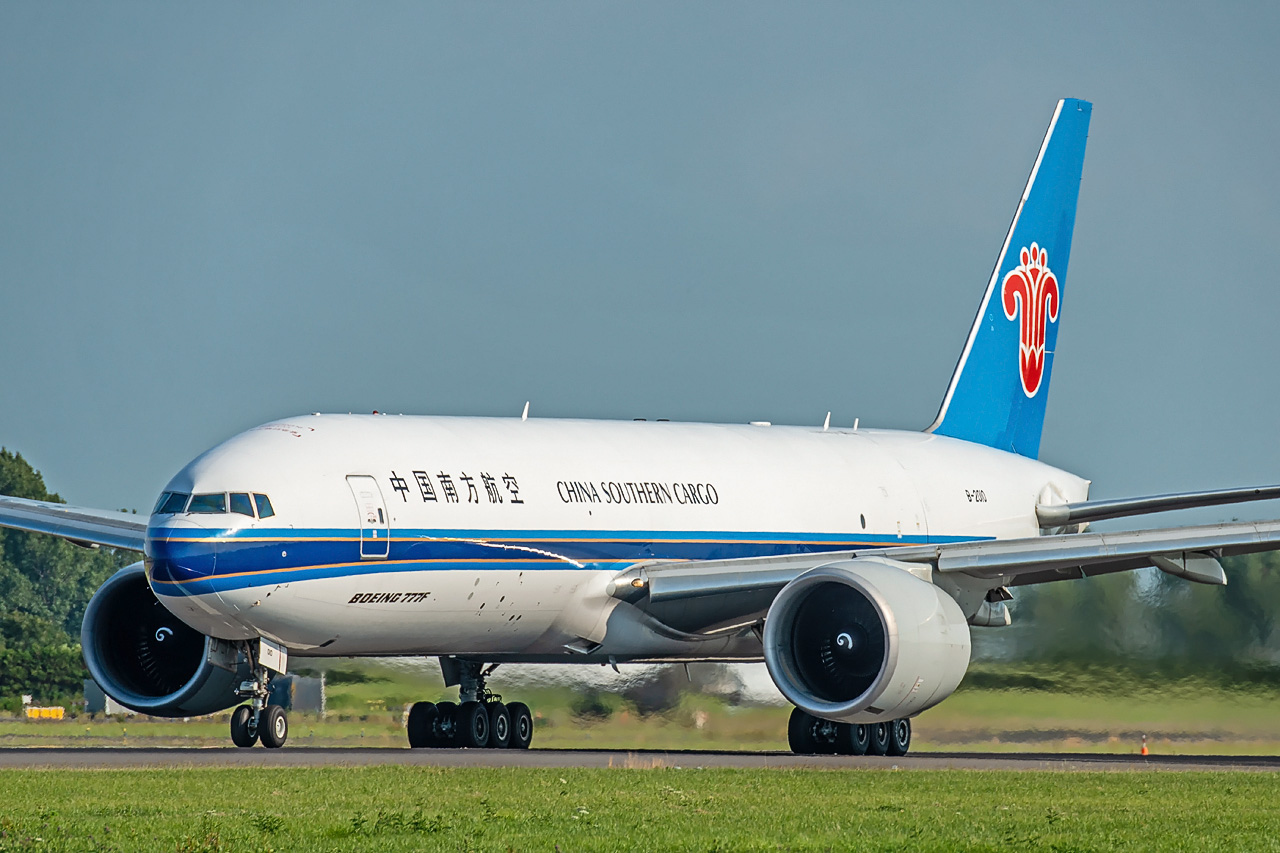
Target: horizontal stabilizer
pixel 1062 515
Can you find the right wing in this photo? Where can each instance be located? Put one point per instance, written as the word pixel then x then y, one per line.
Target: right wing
pixel 81 525
pixel 700 597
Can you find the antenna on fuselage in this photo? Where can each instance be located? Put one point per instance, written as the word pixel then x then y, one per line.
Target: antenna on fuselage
pixel 827 422
pixel 524 416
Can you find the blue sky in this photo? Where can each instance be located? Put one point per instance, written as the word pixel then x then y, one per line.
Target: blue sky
pixel 213 216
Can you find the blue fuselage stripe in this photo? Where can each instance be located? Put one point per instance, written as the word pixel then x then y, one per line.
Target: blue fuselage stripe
pixel 191 562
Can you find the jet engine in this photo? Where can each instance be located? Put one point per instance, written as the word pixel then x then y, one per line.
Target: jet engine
pixel 865 641
pixel 149 660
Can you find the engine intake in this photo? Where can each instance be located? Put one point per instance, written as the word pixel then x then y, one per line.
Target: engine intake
pixel 149 660
pixel 865 641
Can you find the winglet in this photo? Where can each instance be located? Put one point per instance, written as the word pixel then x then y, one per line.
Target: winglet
pixel 998 390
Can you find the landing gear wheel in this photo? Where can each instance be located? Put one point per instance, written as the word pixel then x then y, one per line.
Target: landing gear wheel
pixel 446 725
pixel 878 742
pixel 499 725
pixel 899 737
pixel 421 725
pixel 521 725
pixel 244 726
pixel 853 739
pixel 473 725
pixel 800 733
pixel 826 735
pixel 273 727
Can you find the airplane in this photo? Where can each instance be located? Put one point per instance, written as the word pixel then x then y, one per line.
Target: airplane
pixel 853 561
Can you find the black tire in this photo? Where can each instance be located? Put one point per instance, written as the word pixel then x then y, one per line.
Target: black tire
pixel 800 733
pixel 853 739
pixel 421 725
pixel 273 727
pixel 446 725
pixel 244 727
pixel 499 725
pixel 473 725
pixel 826 736
pixel 521 725
pixel 878 740
pixel 899 737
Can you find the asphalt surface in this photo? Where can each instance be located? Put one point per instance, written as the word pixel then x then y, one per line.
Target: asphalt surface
pixel 42 757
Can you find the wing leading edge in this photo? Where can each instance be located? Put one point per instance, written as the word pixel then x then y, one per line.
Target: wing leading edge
pixel 81 525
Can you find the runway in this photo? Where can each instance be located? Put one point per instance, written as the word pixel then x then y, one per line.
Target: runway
pixel 104 758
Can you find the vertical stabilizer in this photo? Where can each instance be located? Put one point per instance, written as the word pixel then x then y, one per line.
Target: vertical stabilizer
pixel 998 391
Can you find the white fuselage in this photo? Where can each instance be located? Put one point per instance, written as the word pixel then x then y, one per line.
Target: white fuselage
pixel 498 537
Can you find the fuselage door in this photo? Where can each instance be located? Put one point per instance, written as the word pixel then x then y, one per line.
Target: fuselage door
pixel 375 527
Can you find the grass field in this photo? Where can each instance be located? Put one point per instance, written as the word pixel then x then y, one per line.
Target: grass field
pixel 644 805
pixel 398 808
pixel 1178 719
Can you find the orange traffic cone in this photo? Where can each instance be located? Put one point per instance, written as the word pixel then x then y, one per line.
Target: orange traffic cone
pixel 1144 745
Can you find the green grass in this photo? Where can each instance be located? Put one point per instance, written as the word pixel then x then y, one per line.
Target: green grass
pixel 402 808
pixel 1199 720
pixel 1075 711
pixel 752 728
pixel 1220 722
pixel 973 720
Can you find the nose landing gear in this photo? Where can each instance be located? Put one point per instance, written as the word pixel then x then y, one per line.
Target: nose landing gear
pixel 258 721
pixel 482 721
pixel 810 735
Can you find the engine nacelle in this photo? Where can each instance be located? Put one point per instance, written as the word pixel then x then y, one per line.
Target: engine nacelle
pixel 149 660
pixel 865 641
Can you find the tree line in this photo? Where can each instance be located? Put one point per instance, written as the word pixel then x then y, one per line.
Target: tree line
pixel 1148 621
pixel 45 585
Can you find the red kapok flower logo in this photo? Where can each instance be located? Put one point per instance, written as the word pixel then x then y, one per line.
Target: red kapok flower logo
pixel 1031 290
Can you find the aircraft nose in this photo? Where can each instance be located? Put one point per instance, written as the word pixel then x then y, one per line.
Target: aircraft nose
pixel 179 550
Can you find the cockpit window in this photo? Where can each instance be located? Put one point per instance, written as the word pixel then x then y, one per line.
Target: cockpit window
pixel 171 502
pixel 208 503
pixel 240 503
pixel 264 506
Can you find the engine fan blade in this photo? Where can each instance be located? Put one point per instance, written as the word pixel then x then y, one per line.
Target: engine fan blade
pixel 838 642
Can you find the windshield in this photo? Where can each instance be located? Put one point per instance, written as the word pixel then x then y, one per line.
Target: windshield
pixel 241 503
pixel 208 503
pixel 264 506
pixel 171 502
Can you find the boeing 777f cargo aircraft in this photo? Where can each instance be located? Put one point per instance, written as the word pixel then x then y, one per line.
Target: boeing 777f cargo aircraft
pixel 853 561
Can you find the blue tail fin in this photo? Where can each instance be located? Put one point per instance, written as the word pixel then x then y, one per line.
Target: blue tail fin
pixel 998 391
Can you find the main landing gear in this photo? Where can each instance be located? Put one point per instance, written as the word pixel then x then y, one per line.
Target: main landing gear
pixel 258 721
pixel 810 735
pixel 480 721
